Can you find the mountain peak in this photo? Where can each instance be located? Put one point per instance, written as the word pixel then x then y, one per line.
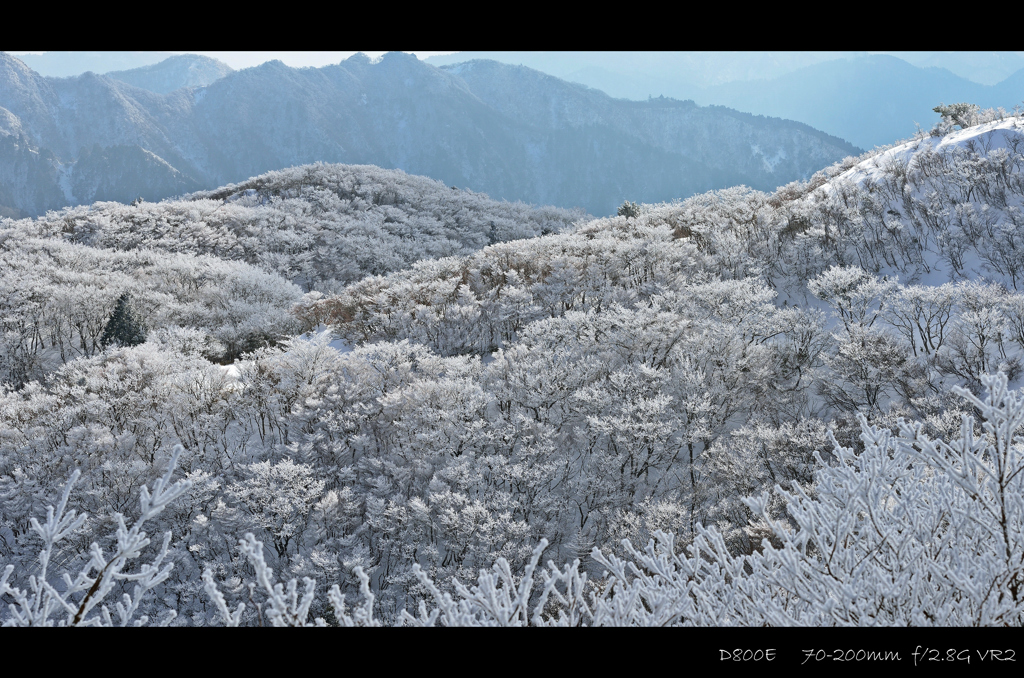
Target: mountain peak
pixel 398 56
pixel 358 58
pixel 181 70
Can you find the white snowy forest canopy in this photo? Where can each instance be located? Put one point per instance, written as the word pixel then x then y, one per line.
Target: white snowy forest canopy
pixel 742 408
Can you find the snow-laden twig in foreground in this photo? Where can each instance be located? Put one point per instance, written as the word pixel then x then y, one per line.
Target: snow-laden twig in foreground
pixel 285 606
pixel 44 602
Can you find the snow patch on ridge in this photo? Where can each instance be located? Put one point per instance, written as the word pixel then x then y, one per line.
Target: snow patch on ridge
pixel 988 136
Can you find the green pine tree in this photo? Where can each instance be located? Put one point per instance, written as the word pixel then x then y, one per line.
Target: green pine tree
pixel 124 327
pixel 963 114
pixel 630 210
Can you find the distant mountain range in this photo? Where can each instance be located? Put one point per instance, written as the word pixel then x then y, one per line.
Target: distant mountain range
pixel 66 64
pixel 872 101
pixel 985 68
pixel 636 69
pixel 511 132
pixel 867 99
pixel 639 75
pixel 182 70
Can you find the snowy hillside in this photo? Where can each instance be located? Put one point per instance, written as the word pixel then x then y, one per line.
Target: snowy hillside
pixel 743 408
pixel 936 208
pixel 319 227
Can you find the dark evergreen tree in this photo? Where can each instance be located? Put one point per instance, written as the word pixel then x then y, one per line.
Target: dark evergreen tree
pixel 124 328
pixel 963 114
pixel 630 210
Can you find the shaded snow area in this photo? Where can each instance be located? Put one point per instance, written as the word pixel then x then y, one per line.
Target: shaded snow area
pixel 322 332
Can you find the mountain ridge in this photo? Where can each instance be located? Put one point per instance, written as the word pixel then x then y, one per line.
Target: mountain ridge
pixel 868 99
pixel 401 113
pixel 182 70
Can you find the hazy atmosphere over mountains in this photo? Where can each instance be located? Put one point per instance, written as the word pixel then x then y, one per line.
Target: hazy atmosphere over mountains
pixel 868 99
pixel 159 124
pixel 91 137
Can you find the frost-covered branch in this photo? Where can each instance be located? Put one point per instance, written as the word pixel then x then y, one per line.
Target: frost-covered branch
pixel 48 599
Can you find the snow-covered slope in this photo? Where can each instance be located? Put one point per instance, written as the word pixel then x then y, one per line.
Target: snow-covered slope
pixel 644 374
pixel 321 226
pixel 935 208
pixel 986 137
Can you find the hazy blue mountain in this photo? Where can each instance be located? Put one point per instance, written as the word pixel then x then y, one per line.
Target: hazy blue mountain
pixel 85 138
pixel 640 75
pixel 183 70
pixel 68 114
pixel 511 132
pixel 664 144
pixel 29 179
pixel 66 64
pixel 986 68
pixel 123 173
pixel 868 100
pixel 871 101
